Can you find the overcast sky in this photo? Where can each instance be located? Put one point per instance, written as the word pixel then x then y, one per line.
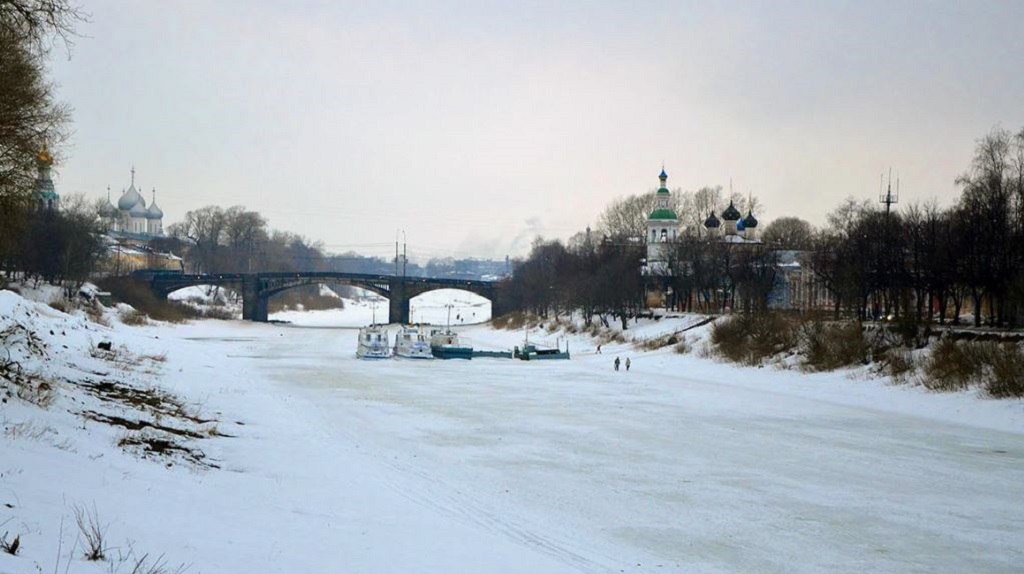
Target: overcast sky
pixel 476 125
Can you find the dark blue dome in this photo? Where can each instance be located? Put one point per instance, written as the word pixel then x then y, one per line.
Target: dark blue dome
pixel 731 213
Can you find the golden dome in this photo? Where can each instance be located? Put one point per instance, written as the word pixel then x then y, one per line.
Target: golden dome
pixel 44 158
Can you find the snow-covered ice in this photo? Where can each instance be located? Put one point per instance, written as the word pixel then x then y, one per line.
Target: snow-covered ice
pixel 681 464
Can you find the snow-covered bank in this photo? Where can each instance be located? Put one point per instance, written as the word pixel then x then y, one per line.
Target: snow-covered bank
pixel 680 464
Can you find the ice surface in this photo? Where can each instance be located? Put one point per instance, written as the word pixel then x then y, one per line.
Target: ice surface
pixel 681 464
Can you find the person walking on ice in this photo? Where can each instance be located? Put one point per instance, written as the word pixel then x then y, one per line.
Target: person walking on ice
pixel 627 363
pixel 616 363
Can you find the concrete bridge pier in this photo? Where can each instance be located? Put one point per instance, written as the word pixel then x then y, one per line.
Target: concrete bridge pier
pixel 254 305
pixel 398 302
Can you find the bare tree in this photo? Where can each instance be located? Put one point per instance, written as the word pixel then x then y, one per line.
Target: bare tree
pixel 29 116
pixel 627 217
pixel 37 22
pixel 789 233
pixel 204 228
pixel 700 204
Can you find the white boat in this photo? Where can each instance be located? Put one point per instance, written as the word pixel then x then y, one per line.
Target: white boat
pixel 410 343
pixel 373 343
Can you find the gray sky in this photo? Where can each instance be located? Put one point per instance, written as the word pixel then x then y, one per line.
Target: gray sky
pixel 476 125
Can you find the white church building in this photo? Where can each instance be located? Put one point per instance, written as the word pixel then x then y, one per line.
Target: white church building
pixel 662 231
pixel 132 217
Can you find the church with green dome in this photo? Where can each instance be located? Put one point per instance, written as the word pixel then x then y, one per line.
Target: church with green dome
pixel 662 230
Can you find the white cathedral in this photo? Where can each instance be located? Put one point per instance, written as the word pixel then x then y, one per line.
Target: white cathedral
pixel 132 216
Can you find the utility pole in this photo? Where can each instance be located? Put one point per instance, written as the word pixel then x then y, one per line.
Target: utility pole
pixel 405 257
pixel 396 253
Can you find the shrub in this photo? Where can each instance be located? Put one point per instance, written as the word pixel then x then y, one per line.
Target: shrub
pixel 510 321
pixel 126 290
pixel 826 346
pixel 898 363
pixel 683 346
pixel 752 338
pixel 133 317
pixel 37 392
pixel 95 313
pixel 10 547
pixel 957 365
pixel 220 313
pixel 729 337
pixel 951 367
pixel 771 334
pixel 92 533
pixel 1005 378
pixel 611 336
pixel 656 343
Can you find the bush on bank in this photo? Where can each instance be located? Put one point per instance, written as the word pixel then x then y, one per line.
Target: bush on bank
pixel 896 351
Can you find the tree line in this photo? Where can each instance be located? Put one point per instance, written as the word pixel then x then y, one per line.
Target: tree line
pixel 925 263
pixel 238 240
pixel 36 244
pixel 603 278
pixel 921 263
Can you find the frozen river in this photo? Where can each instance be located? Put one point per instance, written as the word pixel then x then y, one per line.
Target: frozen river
pixel 671 466
pixel 324 463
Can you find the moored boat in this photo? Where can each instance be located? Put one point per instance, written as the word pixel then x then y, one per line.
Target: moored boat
pixel 411 343
pixel 373 343
pixel 533 353
pixel 445 344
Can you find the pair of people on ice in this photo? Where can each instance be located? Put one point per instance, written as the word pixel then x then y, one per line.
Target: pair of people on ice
pixel 617 363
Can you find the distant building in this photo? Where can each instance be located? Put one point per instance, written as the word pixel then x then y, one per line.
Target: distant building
pixel 125 257
pixel 132 219
pixel 45 194
pixel 662 231
pixel 797 287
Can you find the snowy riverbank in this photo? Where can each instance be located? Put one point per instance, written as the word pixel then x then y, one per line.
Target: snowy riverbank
pixel 682 464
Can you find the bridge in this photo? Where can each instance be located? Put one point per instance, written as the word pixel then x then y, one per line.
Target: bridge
pixel 258 288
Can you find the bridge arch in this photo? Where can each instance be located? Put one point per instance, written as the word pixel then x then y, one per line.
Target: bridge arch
pixel 203 291
pixel 468 306
pixel 257 288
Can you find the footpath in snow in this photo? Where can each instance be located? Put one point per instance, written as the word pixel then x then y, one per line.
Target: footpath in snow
pixel 326 463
